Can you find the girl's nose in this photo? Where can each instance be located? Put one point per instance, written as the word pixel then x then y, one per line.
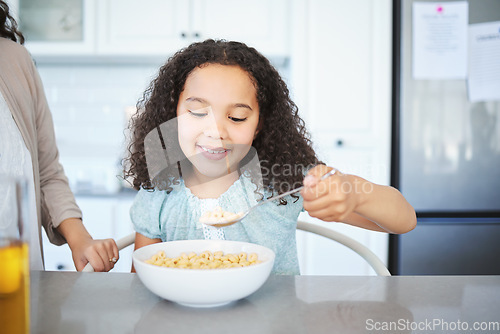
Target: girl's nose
pixel 216 129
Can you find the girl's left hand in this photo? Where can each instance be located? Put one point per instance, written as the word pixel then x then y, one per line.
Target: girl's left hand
pixel 332 199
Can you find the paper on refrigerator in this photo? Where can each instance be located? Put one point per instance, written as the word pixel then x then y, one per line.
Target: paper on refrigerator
pixel 440 40
pixel 483 83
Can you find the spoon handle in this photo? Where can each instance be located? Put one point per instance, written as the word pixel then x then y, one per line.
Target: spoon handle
pixel 330 173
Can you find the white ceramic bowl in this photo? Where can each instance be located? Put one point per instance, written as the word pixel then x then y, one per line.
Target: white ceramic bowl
pixel 203 287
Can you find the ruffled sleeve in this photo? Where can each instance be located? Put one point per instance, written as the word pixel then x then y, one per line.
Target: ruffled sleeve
pixel 145 213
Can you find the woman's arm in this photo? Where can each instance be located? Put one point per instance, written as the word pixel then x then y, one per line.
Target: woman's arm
pixel 102 254
pixel 356 201
pixel 59 211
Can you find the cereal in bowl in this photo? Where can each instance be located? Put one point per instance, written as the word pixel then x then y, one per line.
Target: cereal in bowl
pixel 205 260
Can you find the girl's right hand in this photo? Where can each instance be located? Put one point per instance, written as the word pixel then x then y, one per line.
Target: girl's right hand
pixel 356 201
pixel 331 199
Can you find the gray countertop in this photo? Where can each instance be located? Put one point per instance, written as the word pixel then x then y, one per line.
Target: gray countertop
pixel 73 302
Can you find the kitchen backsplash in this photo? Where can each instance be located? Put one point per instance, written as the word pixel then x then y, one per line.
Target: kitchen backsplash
pixel 89 104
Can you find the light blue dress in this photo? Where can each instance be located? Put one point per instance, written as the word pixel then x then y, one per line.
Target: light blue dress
pixel 175 216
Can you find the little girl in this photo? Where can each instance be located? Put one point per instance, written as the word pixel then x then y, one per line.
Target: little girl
pixel 219 122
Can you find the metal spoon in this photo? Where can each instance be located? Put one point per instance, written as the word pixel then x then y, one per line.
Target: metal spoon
pixel 222 223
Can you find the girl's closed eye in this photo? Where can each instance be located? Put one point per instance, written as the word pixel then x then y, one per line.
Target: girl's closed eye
pixel 198 114
pixel 237 119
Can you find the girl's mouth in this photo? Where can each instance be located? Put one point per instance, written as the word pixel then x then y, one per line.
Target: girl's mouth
pixel 213 153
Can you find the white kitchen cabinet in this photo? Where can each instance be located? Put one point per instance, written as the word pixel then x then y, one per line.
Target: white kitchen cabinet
pixel 162 27
pixel 57 27
pixel 104 217
pixel 57 257
pixel 341 75
pixel 341 81
pixel 262 24
pixel 145 27
pixel 153 28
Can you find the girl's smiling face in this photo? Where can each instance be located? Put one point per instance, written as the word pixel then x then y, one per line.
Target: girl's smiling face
pixel 218 116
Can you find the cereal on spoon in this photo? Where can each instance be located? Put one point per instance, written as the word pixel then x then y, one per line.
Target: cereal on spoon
pixel 219 216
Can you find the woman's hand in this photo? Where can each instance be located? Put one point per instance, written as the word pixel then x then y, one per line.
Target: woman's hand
pixel 331 199
pixel 102 254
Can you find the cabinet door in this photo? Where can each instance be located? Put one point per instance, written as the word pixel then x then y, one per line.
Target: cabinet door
pixel 103 217
pixel 58 27
pixel 262 24
pixel 321 256
pixel 123 227
pixel 57 258
pixel 98 215
pixel 344 94
pixel 351 155
pixel 348 97
pixel 154 27
pixel 349 63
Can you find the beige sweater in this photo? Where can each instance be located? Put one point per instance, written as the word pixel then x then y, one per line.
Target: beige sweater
pixel 22 88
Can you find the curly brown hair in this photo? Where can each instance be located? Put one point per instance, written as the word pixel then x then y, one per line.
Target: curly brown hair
pixel 281 142
pixel 8 26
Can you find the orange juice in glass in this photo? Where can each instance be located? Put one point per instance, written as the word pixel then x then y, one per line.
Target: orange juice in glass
pixel 14 260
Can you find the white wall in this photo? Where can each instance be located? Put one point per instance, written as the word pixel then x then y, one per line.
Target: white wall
pixel 89 103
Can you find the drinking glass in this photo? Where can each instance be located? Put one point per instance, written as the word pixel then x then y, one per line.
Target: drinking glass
pixel 14 257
